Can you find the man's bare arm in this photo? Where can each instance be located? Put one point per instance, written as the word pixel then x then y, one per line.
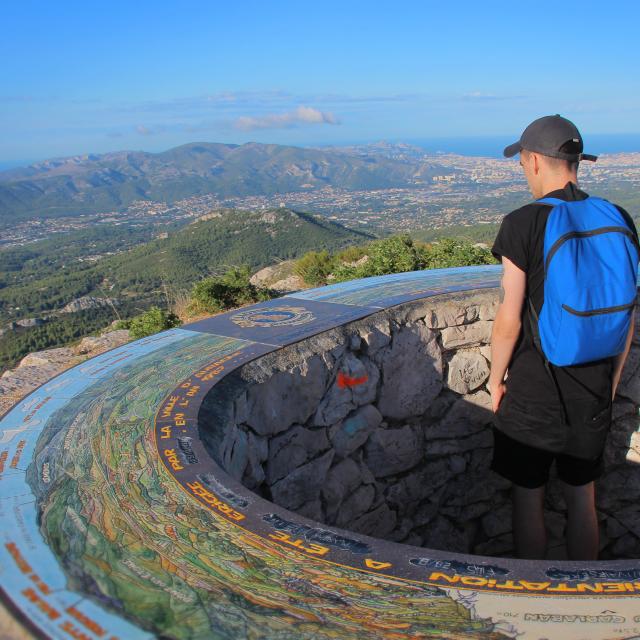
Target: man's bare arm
pixel 618 363
pixel 506 327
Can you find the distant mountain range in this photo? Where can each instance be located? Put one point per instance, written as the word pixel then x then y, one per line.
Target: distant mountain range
pixel 95 183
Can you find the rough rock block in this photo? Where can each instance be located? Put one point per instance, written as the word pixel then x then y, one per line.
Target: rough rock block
pixel 377 523
pixel 629 386
pixel 94 345
pixel 293 448
pixel 392 451
pixel 441 533
pixel 303 484
pixel 342 480
pixel 467 416
pixel 354 430
pixel 451 314
pixel 355 505
pixel 355 384
pixel 497 521
pixel 287 397
pixel 468 335
pixel 467 371
pixel 234 452
pixel 377 338
pixel 411 373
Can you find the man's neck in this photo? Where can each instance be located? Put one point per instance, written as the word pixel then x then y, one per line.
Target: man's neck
pixel 555 183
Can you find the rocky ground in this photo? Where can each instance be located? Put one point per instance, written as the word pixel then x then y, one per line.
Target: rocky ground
pixel 36 368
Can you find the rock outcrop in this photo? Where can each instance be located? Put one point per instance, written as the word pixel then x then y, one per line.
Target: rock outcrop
pixel 36 368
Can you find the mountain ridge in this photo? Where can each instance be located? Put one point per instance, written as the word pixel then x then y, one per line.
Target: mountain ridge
pixel 97 183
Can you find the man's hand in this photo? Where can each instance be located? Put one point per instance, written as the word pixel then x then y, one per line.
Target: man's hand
pixel 619 360
pixel 497 393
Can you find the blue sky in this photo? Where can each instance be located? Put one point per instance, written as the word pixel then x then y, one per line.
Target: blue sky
pixel 82 77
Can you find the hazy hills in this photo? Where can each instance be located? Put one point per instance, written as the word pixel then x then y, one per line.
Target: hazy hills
pixel 109 181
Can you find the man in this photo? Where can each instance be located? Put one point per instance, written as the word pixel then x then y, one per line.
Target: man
pixel 531 404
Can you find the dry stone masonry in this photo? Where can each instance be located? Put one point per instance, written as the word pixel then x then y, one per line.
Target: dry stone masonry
pixel 382 427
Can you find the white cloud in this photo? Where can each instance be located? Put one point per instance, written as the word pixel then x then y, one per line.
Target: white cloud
pixel 144 131
pixel 301 115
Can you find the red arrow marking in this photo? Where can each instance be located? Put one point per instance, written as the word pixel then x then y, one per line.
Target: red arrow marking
pixel 348 381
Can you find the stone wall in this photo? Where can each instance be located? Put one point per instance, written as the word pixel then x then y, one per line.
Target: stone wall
pixel 382 427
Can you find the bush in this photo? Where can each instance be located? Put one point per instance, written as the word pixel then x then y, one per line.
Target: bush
pixel 389 255
pixel 233 289
pixel 149 322
pixel 455 253
pixel 314 267
pixel 399 253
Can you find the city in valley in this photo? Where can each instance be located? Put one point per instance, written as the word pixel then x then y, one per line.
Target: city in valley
pixel 469 190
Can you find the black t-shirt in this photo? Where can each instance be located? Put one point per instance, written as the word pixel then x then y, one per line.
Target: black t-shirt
pixel 532 398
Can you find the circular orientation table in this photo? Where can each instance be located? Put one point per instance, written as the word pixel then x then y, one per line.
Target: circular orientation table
pixel 117 523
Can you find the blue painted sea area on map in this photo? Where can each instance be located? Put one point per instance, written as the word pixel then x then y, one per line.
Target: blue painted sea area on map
pixel 388 290
pixel 282 321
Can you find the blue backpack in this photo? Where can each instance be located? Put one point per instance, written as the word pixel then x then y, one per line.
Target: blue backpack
pixel 591 268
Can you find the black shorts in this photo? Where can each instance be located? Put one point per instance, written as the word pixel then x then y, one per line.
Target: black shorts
pixel 528 467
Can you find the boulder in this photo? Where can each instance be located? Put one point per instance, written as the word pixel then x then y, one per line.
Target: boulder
pixel 93 345
pixel 497 521
pixel 292 449
pixel 287 397
pixel 303 484
pixel 451 314
pixel 468 335
pixel 355 384
pixel 392 451
pixel 234 452
pixel 355 505
pixel 467 371
pixel 467 416
pixel 377 523
pixel 377 338
pixel 411 372
pixel 342 480
pixel 354 430
pixel 61 358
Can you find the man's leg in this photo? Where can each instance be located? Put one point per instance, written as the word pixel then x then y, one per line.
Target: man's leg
pixel 529 533
pixel 582 522
pixel 528 469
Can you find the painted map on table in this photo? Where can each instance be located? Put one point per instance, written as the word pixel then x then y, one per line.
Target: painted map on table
pixel 111 530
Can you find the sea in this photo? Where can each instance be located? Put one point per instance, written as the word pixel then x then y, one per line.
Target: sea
pixel 492 146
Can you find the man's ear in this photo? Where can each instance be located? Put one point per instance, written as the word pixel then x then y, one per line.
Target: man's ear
pixel 536 163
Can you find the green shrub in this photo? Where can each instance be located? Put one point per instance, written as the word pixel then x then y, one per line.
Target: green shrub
pixel 233 289
pixel 352 253
pixel 314 267
pixel 152 321
pixel 455 253
pixel 399 253
pixel 389 255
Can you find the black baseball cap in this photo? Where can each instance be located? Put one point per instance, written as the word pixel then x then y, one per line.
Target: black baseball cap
pixel 547 136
